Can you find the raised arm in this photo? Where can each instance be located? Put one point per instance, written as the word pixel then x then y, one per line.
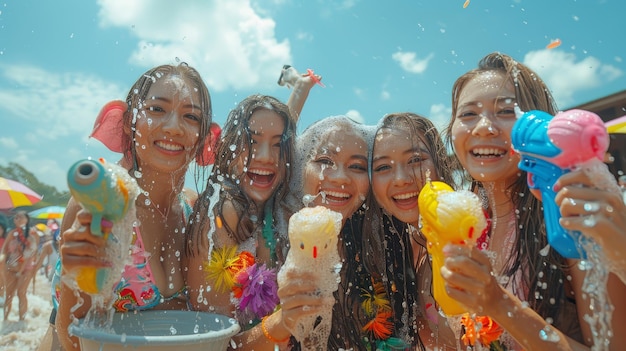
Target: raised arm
pixel 301 85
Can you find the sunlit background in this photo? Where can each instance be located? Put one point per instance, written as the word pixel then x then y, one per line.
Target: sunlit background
pixel 60 61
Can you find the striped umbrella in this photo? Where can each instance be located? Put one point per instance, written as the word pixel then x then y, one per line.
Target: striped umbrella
pixel 15 194
pixel 48 212
pixel 617 125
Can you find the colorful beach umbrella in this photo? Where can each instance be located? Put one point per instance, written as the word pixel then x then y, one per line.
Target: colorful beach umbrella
pixel 49 212
pixel 15 194
pixel 617 125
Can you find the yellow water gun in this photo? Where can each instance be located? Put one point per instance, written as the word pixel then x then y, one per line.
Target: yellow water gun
pixel 107 192
pixel 448 216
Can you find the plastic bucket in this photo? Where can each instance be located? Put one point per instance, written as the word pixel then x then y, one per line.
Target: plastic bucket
pixel 159 330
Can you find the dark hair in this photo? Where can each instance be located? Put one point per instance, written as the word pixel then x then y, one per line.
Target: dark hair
pixel 139 92
pixel 28 226
pixel 4 230
pixel 236 133
pixel 386 240
pixel 531 94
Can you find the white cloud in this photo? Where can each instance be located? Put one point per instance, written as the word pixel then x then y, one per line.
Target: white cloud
pixel 57 111
pixel 565 76
pixel 385 95
pixel 8 143
pixel 355 116
pixel 55 104
pixel 229 42
pixel 410 63
pixel 440 116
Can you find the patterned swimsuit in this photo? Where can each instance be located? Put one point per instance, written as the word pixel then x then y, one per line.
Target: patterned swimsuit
pixel 137 290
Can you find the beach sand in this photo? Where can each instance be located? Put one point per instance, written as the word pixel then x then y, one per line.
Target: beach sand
pixel 27 334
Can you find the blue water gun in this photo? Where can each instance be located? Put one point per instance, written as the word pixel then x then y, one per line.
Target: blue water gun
pixel 551 146
pixel 107 192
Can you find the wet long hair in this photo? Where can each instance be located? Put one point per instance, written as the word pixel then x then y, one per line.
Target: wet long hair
pixel 531 94
pixel 387 240
pixel 235 143
pixel 135 100
pixel 348 317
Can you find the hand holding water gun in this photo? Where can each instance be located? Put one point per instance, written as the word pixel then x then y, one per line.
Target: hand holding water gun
pixel 108 193
pixel 313 235
pixel 448 216
pixel 551 146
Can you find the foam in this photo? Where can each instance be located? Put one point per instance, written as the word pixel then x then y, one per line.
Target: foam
pixel 313 235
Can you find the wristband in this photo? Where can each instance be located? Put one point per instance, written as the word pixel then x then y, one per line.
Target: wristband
pixel 268 335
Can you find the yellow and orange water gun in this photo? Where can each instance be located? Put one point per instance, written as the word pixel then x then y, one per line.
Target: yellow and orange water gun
pixel 448 216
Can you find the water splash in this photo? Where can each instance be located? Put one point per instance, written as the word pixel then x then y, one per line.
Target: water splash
pixel 596 267
pixel 307 199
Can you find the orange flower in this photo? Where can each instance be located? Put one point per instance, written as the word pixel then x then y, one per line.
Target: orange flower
pixel 380 326
pixel 489 330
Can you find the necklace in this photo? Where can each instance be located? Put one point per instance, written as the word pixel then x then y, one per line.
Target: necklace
pixel 149 202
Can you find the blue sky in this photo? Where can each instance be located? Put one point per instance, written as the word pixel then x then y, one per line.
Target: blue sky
pixel 60 61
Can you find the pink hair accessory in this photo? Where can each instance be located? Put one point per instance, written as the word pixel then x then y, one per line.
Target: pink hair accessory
pixel 108 125
pixel 210 143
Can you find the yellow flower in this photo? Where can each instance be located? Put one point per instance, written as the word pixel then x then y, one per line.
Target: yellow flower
pixel 224 265
pixel 376 301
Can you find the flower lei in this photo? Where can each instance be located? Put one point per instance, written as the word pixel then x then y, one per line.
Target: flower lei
pixel 481 329
pixel 376 306
pixel 254 286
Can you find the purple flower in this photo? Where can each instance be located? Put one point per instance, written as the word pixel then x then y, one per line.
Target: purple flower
pixel 259 290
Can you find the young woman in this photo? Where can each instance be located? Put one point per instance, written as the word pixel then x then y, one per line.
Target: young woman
pixel 19 254
pixel 331 171
pixel 407 152
pixel 3 235
pixel 236 211
pixel 164 126
pixel 518 269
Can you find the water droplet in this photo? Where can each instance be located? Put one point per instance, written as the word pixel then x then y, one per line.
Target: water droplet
pixel 544 252
pixel 590 221
pixel 548 334
pixel 173 330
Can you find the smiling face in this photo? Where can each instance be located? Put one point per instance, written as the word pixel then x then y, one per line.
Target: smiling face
pixel 167 125
pixel 337 171
pixel 262 167
pixel 400 167
pixel 481 131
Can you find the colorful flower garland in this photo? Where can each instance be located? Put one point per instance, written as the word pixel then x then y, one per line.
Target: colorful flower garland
pixel 376 306
pixel 481 329
pixel 253 285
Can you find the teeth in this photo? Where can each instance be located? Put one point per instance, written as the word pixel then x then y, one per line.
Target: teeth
pixel 405 196
pixel 260 172
pixel 488 151
pixel 168 146
pixel 337 194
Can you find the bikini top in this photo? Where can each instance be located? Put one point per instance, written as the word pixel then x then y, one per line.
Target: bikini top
pixel 137 290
